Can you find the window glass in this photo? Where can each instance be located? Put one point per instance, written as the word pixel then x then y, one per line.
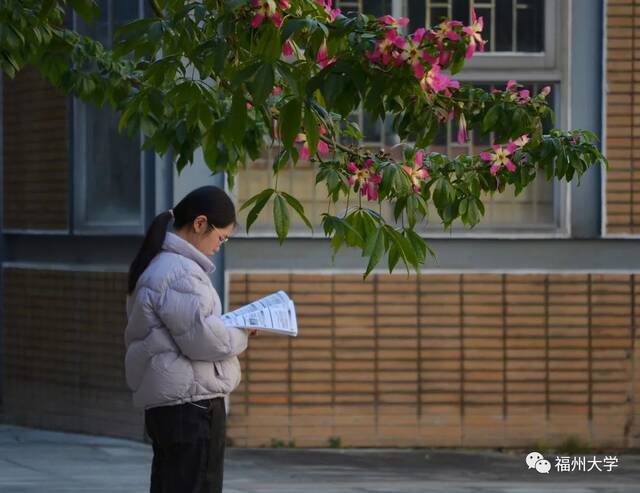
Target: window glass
pixel 109 162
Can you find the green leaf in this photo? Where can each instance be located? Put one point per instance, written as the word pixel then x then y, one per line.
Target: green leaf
pixel 394 256
pixel 46 7
pixel 220 53
pixel 474 185
pixel 475 211
pixel 312 131
pixel 297 206
pixel 457 63
pixel 237 119
pixel 374 250
pixel 241 76
pixel 281 217
pixel 491 118
pixel 290 116
pixel 262 84
pixel 210 150
pixel 388 178
pixel 293 25
pixel 413 209
pixel 418 245
pixel 232 5
pixel 407 252
pixel 281 160
pixel 260 201
pixel 463 207
pixel 87 9
pixel 270 45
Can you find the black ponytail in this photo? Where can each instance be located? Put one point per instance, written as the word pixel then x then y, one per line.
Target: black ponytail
pixel 209 201
pixel 151 245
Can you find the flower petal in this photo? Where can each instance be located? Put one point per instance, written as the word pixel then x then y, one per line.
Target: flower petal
pixel 323 147
pixel 257 20
pixel 304 153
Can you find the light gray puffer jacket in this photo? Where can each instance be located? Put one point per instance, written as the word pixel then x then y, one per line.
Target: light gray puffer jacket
pixel 178 348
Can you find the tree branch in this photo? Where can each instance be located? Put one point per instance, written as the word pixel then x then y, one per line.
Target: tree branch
pixel 156 8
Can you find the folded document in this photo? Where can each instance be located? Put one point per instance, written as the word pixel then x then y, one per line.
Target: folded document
pixel 274 313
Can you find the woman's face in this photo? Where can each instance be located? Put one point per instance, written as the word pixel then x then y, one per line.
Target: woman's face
pixel 205 237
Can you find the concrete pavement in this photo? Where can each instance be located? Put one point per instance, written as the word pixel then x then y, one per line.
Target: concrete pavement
pixel 42 461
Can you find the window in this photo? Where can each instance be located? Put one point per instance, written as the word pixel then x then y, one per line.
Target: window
pixel 509 25
pixel 108 166
pixel 537 210
pixel 534 210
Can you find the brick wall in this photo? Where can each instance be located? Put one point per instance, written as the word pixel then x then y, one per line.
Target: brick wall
pixel 437 360
pixel 443 360
pixel 64 352
pixel 623 117
pixel 36 154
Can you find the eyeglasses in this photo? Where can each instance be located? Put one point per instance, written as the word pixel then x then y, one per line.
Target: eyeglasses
pixel 222 239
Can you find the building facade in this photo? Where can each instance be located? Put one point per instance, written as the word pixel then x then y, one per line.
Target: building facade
pixel 522 331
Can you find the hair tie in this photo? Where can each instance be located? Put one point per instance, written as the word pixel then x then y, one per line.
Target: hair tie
pixel 171 212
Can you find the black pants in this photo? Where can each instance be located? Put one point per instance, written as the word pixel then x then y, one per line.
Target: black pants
pixel 188 446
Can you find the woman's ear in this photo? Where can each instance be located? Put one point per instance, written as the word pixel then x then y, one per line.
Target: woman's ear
pixel 200 224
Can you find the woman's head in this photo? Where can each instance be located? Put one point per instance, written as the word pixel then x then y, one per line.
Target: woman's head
pixel 205 218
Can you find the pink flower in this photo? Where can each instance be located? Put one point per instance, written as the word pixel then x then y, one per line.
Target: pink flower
pixel 474 30
pixel 322 148
pixel 523 95
pixel 277 90
pixel 412 54
pixel 257 20
pixel 366 177
pixel 328 8
pixel 393 22
pixel 444 58
pixel 417 173
pixel 521 141
pixel 267 9
pixel 384 47
pixel 445 31
pixel 287 48
pixel 511 85
pixel 463 135
pixel 546 90
pixel 500 157
pixel 322 58
pixel 438 82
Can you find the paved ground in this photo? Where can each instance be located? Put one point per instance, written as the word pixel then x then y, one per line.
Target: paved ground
pixel 40 461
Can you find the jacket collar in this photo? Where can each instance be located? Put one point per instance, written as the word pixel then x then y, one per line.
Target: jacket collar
pixel 173 243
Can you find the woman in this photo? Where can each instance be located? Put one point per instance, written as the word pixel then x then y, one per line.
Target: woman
pixel 181 359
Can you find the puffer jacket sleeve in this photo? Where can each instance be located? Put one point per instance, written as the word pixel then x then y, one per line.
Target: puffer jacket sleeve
pixel 199 335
